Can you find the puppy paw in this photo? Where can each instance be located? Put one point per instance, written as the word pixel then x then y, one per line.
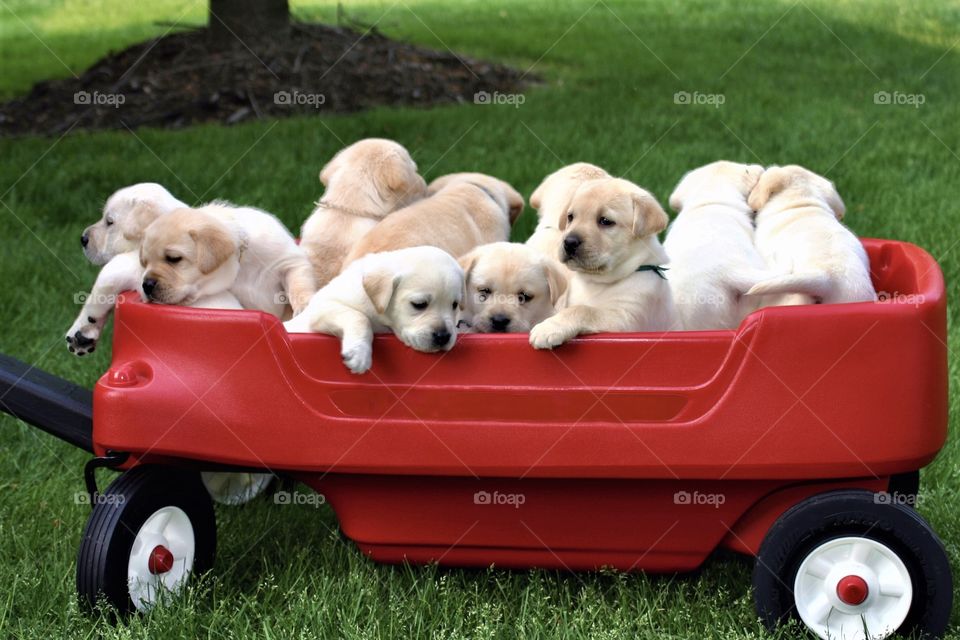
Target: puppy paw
pixel 357 357
pixel 548 335
pixel 83 336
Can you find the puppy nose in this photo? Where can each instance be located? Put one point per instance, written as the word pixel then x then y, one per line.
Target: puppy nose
pixel 570 244
pixel 149 284
pixel 499 322
pixel 84 239
pixel 441 337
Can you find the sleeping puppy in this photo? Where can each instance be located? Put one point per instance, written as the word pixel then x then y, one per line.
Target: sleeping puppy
pixel 415 292
pixel 510 287
pixel 550 200
pixel 114 241
pixel 468 210
pixel 363 183
pixel 610 243
pixel 713 262
pixel 195 253
pixel 799 233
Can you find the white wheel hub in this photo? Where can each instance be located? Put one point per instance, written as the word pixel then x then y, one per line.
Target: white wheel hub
pixel 161 557
pixel 235 488
pixel 853 588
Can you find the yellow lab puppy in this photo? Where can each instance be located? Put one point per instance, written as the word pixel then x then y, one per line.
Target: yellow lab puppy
pixel 799 233
pixel 610 242
pixel 466 211
pixel 364 182
pixel 191 254
pixel 510 287
pixel 550 200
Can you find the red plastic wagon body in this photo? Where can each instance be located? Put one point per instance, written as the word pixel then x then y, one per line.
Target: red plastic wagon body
pixel 638 451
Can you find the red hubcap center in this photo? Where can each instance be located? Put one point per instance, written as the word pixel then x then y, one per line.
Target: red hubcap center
pixel 852 590
pixel 161 560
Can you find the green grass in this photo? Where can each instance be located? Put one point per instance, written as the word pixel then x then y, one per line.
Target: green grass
pixel 798 82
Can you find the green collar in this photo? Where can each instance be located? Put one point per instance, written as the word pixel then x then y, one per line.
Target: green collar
pixel 657 269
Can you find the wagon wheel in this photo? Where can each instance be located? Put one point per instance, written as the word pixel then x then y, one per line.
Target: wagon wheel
pixel 850 567
pixel 235 488
pixel 149 531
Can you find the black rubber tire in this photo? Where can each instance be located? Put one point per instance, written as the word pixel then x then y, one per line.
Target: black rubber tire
pixel 904 488
pixel 854 513
pixel 117 517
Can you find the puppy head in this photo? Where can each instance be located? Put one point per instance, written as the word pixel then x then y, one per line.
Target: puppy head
pixel 506 196
pixel 606 223
pixel 795 182
pixel 419 295
pixel 718 181
pixel 378 174
pixel 558 186
pixel 510 287
pixel 185 255
pixel 126 215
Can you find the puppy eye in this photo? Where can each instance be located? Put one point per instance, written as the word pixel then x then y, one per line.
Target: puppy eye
pixel 605 222
pixel 109 222
pixel 570 217
pixel 419 306
pixel 524 297
pixel 455 305
pixel 173 259
pixel 484 292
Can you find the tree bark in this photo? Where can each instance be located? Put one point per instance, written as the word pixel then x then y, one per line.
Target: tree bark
pixel 248 20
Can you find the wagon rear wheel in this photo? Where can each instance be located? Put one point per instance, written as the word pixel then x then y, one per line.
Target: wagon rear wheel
pixel 148 533
pixel 852 567
pixel 235 488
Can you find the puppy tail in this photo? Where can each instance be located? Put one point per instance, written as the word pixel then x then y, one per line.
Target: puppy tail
pixel 815 285
pixel 742 279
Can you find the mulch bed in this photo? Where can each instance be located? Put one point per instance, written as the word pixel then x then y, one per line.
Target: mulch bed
pixel 180 79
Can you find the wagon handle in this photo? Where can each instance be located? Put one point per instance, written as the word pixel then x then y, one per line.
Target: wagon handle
pixel 57 406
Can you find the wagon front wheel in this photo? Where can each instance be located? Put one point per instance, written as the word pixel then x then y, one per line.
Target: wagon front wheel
pixel 149 531
pixel 852 567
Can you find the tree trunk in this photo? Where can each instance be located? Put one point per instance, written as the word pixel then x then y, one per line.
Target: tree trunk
pixel 248 20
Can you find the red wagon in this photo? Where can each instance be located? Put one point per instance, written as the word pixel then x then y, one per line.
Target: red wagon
pixel 796 438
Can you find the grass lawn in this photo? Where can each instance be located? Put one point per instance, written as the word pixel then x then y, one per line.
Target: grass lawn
pixel 798 81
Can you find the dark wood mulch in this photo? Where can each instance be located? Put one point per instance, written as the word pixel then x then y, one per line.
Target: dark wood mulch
pixel 180 79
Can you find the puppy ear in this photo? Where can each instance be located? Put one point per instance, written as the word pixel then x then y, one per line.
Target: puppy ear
pixel 536 198
pixel 399 175
pixel 214 246
pixel 515 202
pixel 380 286
pixel 676 198
pixel 329 169
pixel 648 216
pixel 835 201
pixel 562 222
pixel 138 219
pixel 467 263
pixel 556 280
pixel 773 181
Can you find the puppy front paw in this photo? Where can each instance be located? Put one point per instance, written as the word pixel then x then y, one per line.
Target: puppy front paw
pixel 83 336
pixel 549 334
pixel 357 357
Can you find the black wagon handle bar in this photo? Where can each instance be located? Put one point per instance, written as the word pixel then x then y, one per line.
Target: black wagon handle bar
pixel 52 404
